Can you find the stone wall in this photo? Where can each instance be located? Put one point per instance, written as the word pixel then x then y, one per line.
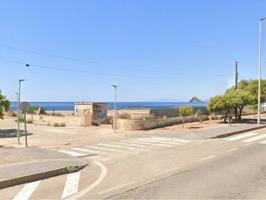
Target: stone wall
pixel 51 120
pixel 134 113
pixel 134 125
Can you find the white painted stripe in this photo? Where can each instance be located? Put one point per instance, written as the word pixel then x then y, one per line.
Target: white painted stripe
pixel 108 150
pixel 117 146
pixel 131 144
pixel 255 138
pixel 85 150
pixel 149 143
pixel 230 150
pixel 207 158
pixel 170 139
pixel 161 141
pixel 263 142
pixel 27 191
pixel 154 142
pixel 129 151
pixel 72 153
pixel 94 184
pixel 116 187
pixel 71 185
pixel 238 137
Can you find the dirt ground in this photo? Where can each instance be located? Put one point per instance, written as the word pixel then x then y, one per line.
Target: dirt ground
pixel 57 137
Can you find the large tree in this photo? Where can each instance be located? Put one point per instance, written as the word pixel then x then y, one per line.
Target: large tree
pixel 4 104
pixel 235 99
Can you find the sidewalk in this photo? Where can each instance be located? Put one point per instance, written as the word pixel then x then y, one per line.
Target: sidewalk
pixel 21 165
pixel 218 131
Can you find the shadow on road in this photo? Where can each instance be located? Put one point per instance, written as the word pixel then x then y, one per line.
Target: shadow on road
pixel 9 133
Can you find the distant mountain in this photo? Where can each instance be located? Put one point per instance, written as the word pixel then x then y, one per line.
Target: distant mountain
pixel 195 100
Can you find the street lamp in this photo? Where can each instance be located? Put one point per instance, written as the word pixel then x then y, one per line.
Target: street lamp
pixel 115 114
pixel 18 109
pixel 260 66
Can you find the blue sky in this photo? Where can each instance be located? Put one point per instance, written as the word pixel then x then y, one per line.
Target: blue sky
pixel 153 49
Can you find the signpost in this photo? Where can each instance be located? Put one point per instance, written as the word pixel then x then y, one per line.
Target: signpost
pixel 24 106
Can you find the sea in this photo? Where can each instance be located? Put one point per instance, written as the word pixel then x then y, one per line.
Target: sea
pixel 49 106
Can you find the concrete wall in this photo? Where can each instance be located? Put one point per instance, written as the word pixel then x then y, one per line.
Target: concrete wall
pixel 133 125
pixel 51 120
pixel 134 113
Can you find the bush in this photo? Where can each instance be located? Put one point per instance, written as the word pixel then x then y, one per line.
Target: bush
pixel 62 124
pixel 200 115
pixel 29 121
pixel 124 116
pixel 56 124
pixel 35 109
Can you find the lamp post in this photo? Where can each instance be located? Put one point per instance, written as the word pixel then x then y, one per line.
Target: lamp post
pixel 115 114
pixel 18 109
pixel 260 67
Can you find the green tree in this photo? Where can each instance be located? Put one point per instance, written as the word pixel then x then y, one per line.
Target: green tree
pixel 185 111
pixel 220 104
pixel 235 100
pixel 4 104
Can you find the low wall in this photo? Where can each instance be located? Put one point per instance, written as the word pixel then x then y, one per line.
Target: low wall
pixel 51 120
pixel 134 125
pixel 134 113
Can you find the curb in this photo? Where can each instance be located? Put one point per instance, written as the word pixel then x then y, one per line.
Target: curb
pixel 39 176
pixel 238 132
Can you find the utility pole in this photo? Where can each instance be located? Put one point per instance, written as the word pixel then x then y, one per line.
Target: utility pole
pixel 236 74
pixel 260 67
pixel 115 114
pixel 18 109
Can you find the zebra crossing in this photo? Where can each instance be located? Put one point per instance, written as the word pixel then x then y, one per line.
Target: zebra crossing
pixel 124 147
pixel 249 137
pixel 71 185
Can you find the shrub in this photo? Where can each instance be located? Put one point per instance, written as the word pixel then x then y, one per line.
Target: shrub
pixel 200 115
pixel 124 116
pixel 56 124
pixel 185 111
pixel 62 124
pixel 29 121
pixel 35 109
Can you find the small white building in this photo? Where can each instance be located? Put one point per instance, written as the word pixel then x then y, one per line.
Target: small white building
pixel 94 112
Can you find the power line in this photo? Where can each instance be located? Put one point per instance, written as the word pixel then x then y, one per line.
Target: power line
pixel 108 74
pixel 80 60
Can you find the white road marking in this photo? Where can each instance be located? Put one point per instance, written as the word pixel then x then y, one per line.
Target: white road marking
pixel 230 150
pixel 129 146
pixel 207 158
pixel 263 142
pixel 116 187
pixel 171 139
pixel 117 146
pixel 72 153
pixel 255 138
pixel 238 137
pixel 161 141
pixel 27 191
pixel 94 184
pixel 106 149
pixel 85 150
pixel 151 142
pixel 71 185
pixel 138 142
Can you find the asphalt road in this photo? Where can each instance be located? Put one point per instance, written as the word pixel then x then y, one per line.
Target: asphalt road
pixel 239 175
pixel 160 168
